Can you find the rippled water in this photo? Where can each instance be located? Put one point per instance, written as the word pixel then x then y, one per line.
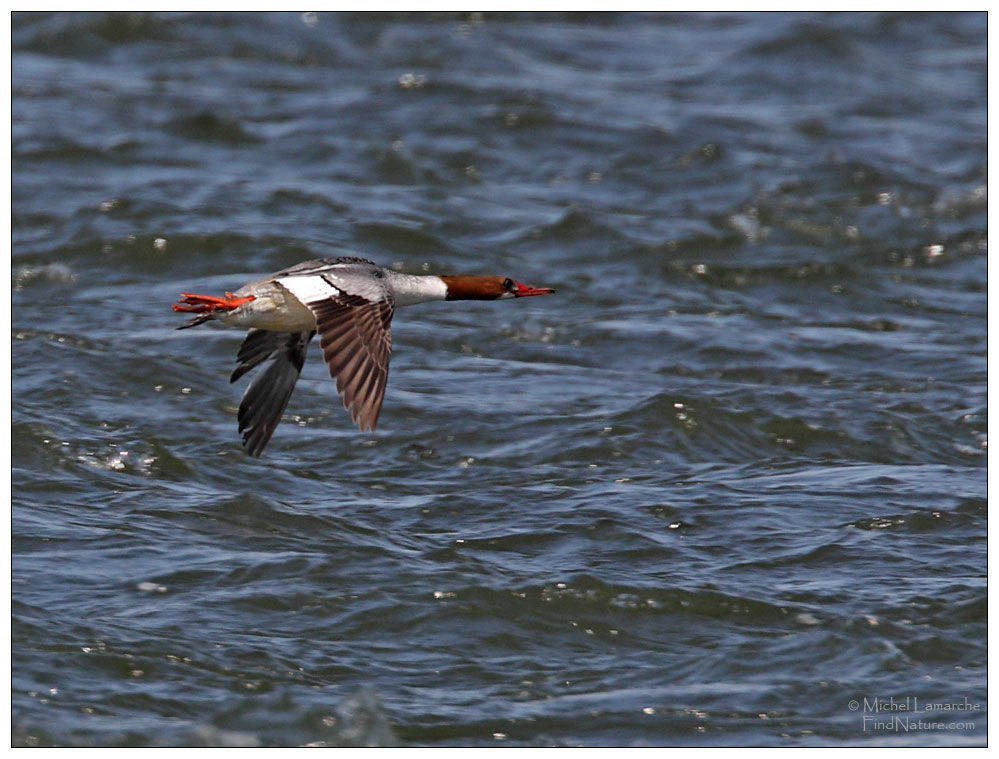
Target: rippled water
pixel 727 487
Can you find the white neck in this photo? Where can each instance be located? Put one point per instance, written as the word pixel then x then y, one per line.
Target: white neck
pixel 415 288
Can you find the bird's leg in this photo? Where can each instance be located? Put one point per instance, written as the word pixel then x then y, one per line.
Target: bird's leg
pixel 201 303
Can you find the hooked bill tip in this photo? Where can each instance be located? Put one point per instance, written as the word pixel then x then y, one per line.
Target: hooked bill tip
pixel 524 290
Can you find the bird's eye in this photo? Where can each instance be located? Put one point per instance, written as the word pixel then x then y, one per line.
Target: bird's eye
pixel 508 284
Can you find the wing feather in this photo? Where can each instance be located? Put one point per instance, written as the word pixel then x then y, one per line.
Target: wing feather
pixel 353 309
pixel 266 397
pixel 356 339
pixel 258 346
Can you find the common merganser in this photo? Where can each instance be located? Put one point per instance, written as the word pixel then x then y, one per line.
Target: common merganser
pixel 349 301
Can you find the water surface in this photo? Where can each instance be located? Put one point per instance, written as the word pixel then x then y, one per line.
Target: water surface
pixel 725 485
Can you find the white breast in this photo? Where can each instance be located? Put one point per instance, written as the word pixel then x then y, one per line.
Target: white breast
pixel 415 288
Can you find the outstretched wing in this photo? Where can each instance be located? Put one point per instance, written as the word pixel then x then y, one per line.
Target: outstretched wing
pixel 355 335
pixel 267 396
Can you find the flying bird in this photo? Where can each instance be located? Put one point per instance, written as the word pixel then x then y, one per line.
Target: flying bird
pixel 349 303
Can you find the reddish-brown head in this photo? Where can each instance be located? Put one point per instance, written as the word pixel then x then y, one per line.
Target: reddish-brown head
pixel 479 287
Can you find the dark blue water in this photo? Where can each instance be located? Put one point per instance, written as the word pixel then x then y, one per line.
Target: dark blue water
pixel 727 487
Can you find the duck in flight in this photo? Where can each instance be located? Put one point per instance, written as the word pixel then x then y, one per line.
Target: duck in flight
pixel 349 303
